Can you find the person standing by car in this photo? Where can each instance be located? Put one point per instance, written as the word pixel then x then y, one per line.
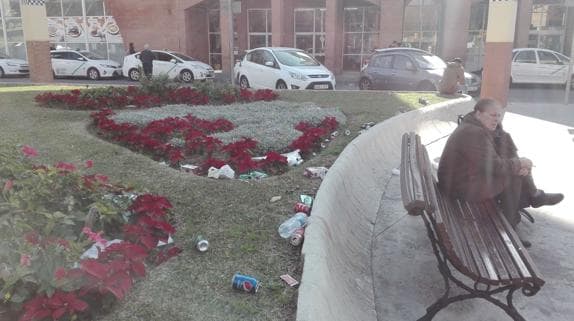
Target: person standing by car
pixel 131 49
pixel 147 57
pixel 452 78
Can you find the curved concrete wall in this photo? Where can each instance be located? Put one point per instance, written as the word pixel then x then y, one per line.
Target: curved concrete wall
pixel 337 282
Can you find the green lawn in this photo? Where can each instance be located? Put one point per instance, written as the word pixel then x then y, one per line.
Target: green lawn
pixel 236 217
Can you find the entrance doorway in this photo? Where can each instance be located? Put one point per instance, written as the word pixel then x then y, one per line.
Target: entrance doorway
pixel 309 24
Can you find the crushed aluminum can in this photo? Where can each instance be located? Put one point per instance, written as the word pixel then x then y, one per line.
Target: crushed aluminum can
pixel 347 132
pixel 296 238
pixel 300 207
pixel 245 283
pixel 323 145
pixel 316 172
pixel 201 244
pixel 334 134
pixel 289 280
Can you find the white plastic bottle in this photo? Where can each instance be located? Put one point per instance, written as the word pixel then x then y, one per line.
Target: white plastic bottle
pixel 294 222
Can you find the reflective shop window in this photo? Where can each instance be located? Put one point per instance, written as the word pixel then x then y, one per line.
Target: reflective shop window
pixel 72 8
pixel 420 24
pixel 14 31
pixel 10 8
pixel 94 7
pixel 54 8
pixel 17 50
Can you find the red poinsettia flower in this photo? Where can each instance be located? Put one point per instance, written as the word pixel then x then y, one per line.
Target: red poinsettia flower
pixel 66 167
pixel 150 204
pixel 89 163
pixel 8 185
pixel 29 151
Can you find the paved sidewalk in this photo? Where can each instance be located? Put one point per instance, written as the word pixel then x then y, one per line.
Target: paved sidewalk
pixel 405 269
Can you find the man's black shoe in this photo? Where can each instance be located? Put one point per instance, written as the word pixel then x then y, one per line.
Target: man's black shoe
pixel 526 243
pixel 542 199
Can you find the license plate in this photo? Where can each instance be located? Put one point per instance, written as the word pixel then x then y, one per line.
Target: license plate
pixel 321 87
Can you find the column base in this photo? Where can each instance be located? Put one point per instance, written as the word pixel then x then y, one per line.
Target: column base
pixel 39 61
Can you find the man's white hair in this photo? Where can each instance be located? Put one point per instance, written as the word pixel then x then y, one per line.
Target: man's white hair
pixel 146 46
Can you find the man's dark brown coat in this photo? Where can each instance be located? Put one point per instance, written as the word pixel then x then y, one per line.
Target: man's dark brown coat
pixel 476 162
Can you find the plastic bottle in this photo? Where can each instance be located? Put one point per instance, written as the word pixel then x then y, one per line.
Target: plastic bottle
pixel 294 222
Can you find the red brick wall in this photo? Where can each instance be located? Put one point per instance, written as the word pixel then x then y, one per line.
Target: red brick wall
pixel 39 61
pixel 197 41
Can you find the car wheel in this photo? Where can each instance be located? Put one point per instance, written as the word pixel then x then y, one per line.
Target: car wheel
pixel 281 85
pixel 93 74
pixel 134 74
pixel 1 72
pixel 426 86
pixel 365 84
pixel 243 82
pixel 186 76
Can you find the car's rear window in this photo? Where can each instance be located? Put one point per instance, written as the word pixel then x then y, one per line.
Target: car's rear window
pixel 295 58
pixel 429 61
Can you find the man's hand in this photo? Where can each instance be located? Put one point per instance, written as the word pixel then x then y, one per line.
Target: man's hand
pixel 525 166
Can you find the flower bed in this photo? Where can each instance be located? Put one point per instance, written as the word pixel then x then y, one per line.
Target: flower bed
pixel 143 97
pixel 176 135
pixel 48 219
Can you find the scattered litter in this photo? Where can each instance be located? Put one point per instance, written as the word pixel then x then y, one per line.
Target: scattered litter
pixel 289 280
pixel 245 283
pixel 188 167
pixel 306 199
pixel 224 172
pixel 161 243
pixel 253 175
pixel 94 251
pixel 294 158
pixel 334 134
pixel 315 172
pixel 423 101
pixel 396 171
pixel 300 207
pixel 275 199
pixel 289 226
pixel 362 131
pixel 297 236
pixel 323 145
pixel 201 244
pixel 347 132
pixel 368 125
pixel 163 163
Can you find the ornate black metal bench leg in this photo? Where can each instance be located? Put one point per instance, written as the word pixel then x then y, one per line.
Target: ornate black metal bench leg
pixel 526 214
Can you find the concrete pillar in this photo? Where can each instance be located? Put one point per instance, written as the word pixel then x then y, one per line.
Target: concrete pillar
pixel 282 23
pixel 334 35
pixel 498 49
pixel 35 25
pixel 391 22
pixel 523 19
pixel 225 16
pixel 455 22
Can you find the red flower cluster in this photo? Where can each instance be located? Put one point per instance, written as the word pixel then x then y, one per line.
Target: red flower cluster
pixel 118 98
pixel 313 135
pixel 53 307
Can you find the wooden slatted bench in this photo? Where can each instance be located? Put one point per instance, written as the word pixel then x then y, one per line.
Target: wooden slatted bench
pixel 474 238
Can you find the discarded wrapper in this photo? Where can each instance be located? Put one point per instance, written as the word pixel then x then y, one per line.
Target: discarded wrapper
pixel 306 199
pixel 294 158
pixel 396 171
pixel 275 199
pixel 224 172
pixel 253 175
pixel 289 280
pixel 334 134
pixel 315 172
pixel 368 125
pixel 188 167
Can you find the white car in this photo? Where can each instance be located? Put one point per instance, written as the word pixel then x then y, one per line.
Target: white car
pixel 72 63
pixel 538 66
pixel 174 64
pixel 9 66
pixel 282 68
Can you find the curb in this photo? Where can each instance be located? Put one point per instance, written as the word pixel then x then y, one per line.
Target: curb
pixel 337 281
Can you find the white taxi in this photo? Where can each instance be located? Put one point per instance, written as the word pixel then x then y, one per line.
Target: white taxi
pixel 173 64
pixel 72 63
pixel 11 66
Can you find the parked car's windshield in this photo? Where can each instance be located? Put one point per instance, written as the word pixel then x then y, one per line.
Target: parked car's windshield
pixel 183 57
pixel 91 55
pixel 562 57
pixel 295 58
pixel 429 61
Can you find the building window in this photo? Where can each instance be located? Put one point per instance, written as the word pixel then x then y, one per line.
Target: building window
pixel 476 35
pixel 259 22
pixel 309 27
pixel 11 33
pixel 361 34
pixel 214 39
pixel 420 24
pixel 547 25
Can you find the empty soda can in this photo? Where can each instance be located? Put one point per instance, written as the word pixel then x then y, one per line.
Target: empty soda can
pixel 347 132
pixel 245 283
pixel 297 237
pixel 201 244
pixel 300 207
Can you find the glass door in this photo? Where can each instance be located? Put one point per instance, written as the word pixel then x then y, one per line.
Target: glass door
pixel 214 39
pixel 361 29
pixel 309 32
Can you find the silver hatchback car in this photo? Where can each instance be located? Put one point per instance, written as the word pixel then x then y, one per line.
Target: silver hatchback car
pixel 407 69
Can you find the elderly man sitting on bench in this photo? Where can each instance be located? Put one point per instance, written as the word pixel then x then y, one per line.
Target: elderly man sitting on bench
pixel 480 162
